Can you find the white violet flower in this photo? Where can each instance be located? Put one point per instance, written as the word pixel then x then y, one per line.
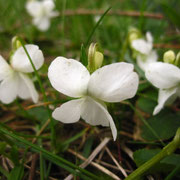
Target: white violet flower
pixel 166 77
pixel 145 53
pixel 42 12
pixel 110 83
pixel 14 80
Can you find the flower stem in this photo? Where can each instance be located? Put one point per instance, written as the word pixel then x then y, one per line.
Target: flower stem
pixel 44 94
pixel 166 151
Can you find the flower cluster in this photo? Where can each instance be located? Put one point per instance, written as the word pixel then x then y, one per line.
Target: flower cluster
pixel 42 12
pixel 93 86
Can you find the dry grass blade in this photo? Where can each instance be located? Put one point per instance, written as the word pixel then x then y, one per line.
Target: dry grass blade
pixel 101 168
pixel 115 161
pixel 50 178
pixel 41 130
pixel 167 46
pixel 90 159
pixel 114 12
pixel 37 105
pixel 33 167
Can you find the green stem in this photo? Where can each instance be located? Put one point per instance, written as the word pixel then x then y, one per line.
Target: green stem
pixel 63 25
pixel 44 94
pixel 141 18
pixel 166 151
pixel 25 113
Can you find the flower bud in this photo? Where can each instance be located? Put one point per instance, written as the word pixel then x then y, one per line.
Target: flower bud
pixel 177 61
pixel 95 57
pixel 133 34
pixel 169 57
pixel 15 43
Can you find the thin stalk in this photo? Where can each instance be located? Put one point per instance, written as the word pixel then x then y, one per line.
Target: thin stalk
pixel 166 151
pixel 48 170
pixel 141 18
pixel 41 167
pixel 44 94
pixel 25 113
pixel 173 173
pixel 123 51
pixel 146 123
pixel 63 26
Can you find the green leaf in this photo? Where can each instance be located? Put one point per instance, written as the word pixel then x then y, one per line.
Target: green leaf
pixel 17 173
pixel 40 113
pixel 167 164
pixel 164 124
pixel 147 102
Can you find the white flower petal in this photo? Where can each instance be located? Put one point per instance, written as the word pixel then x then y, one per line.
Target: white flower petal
pixel 9 88
pixel 163 75
pixel 164 96
pixel 95 113
pixel 48 6
pixel 20 60
pixel 143 62
pixel 26 88
pixel 149 37
pixel 5 69
pixel 142 46
pixel 34 8
pixel 68 112
pixel 114 82
pixel 68 76
pixel 42 23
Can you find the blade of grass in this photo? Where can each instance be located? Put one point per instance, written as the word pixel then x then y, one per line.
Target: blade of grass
pixel 141 18
pixel 70 140
pixel 95 27
pixel 41 167
pixel 72 168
